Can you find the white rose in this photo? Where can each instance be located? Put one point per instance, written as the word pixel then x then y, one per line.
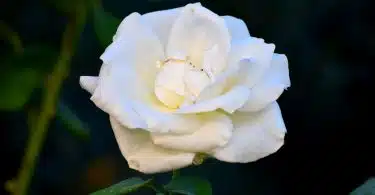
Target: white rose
pixel 185 81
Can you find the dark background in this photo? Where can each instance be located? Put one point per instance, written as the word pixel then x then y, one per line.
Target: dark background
pixel 330 45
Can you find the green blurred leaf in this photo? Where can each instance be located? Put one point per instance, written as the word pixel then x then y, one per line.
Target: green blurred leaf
pixel 22 73
pixel 71 121
pixel 189 186
pixel 105 26
pixel 368 188
pixel 124 187
pixel 16 86
pixel 38 57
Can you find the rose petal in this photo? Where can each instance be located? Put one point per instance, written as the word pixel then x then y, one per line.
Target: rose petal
pixel 230 101
pixel 270 86
pixel 237 28
pixel 197 30
pixel 160 119
pixel 212 62
pixel 255 136
pixel 171 77
pixel 161 22
pixel 168 97
pixel 195 82
pixel 135 46
pixel 113 98
pixel 222 82
pixel 127 75
pixel 122 96
pixel 123 30
pixel 129 102
pixel 88 83
pixel 142 155
pixel 255 58
pixel 215 131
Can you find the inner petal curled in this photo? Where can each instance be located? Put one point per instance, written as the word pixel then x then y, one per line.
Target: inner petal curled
pixel 179 82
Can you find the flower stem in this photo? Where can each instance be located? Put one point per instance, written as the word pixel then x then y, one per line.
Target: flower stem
pixel 12 36
pixel 47 111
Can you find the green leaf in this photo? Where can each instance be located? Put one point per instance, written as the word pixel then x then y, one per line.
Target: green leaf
pixel 39 57
pixel 368 188
pixel 124 187
pixel 71 121
pixel 16 87
pixel 22 73
pixel 105 26
pixel 189 186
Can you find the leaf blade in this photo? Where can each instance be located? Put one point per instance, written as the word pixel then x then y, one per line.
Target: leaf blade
pixel 124 187
pixel 71 121
pixel 105 26
pixel 367 188
pixel 189 186
pixel 17 87
pixel 22 73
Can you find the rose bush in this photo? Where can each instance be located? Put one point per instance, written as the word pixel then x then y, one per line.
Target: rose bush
pixel 186 81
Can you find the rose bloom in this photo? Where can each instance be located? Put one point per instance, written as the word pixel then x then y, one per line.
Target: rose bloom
pixel 185 81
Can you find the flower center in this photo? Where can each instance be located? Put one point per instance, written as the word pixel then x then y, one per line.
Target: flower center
pixel 179 82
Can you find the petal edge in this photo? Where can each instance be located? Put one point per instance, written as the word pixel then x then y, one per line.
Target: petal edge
pixel 255 136
pixel 143 155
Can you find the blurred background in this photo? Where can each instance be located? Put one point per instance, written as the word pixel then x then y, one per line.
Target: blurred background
pixel 330 45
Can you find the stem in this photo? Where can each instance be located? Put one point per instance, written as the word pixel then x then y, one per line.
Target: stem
pixel 47 112
pixel 12 36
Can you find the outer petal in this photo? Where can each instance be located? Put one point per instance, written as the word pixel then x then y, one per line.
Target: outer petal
pixel 126 74
pixel 197 30
pixel 89 83
pixel 255 136
pixel 136 47
pixel 237 28
pixel 161 22
pixel 271 85
pixel 215 131
pixel 143 155
pixel 229 101
pixel 160 119
pixel 113 98
pixel 254 57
